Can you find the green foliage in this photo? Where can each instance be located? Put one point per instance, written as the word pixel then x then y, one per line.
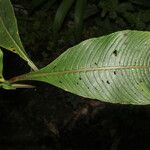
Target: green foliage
pixel 1 66
pixel 142 17
pixel 124 10
pixel 79 16
pixel 118 12
pixel 10 39
pixel 141 2
pixel 65 6
pixel 61 14
pixel 112 68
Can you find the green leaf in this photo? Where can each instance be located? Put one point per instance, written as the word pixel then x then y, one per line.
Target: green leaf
pixel 1 66
pixel 9 36
pixel 145 3
pixel 61 14
pixel 79 17
pixel 114 68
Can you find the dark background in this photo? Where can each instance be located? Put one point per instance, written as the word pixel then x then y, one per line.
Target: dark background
pixel 47 118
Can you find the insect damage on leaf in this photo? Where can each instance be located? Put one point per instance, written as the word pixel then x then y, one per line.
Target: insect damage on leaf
pixel 13 49
pixel 115 52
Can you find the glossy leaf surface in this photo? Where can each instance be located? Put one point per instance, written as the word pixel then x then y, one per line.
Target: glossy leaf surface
pixel 114 68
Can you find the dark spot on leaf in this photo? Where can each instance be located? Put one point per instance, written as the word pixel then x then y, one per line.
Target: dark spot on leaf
pixel 115 52
pixel 77 83
pixel 88 87
pixel 60 81
pixel 54 67
pixel 80 78
pixel 95 63
pixel 125 34
pixel 115 73
pixel 107 82
pixel 95 88
pixel 12 49
pixel 145 44
pixel 125 43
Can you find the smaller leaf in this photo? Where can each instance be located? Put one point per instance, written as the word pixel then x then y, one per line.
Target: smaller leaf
pixel 79 17
pixel 61 14
pixel 9 35
pixel 1 66
pixel 145 3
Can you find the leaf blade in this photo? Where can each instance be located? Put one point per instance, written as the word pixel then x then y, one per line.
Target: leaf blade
pixel 110 68
pixel 10 39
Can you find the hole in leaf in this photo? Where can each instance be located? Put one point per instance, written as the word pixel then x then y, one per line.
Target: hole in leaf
pixel 12 49
pixel 107 82
pixel 115 52
pixel 60 81
pixel 95 88
pixel 54 67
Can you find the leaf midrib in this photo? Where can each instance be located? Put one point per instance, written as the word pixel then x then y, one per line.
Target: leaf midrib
pixel 43 74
